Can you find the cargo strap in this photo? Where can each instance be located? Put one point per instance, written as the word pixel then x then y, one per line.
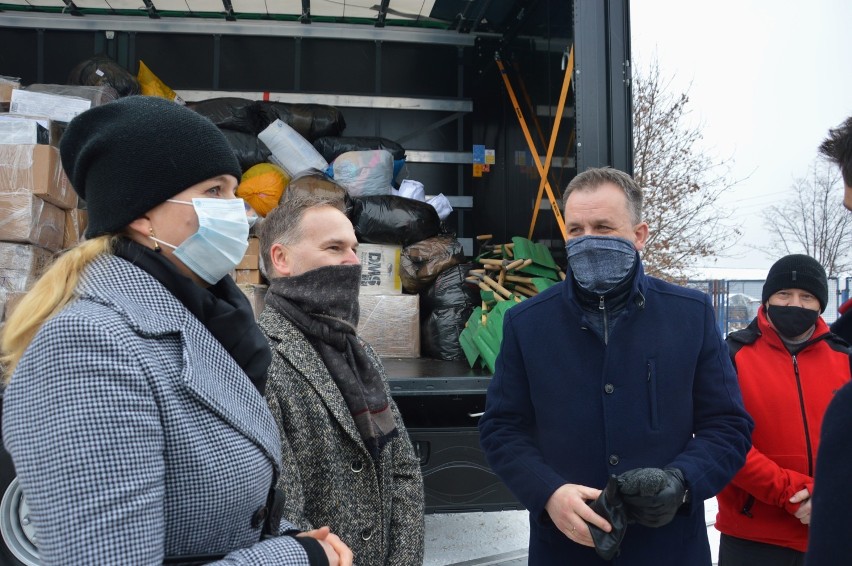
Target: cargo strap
pixel 543 170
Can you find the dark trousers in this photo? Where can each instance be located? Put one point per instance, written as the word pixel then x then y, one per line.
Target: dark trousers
pixel 735 551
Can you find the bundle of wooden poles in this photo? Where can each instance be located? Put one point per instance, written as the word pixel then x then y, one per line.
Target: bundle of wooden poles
pixel 501 272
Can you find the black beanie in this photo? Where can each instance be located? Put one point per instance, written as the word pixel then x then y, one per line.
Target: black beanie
pixel 126 157
pixel 797 271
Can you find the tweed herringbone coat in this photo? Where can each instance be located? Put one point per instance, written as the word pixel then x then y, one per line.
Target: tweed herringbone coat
pixel 375 507
pixel 135 434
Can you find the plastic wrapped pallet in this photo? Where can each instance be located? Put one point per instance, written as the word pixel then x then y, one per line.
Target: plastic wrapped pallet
pixel 26 218
pixel 391 324
pixel 20 266
pixel 16 129
pixel 36 169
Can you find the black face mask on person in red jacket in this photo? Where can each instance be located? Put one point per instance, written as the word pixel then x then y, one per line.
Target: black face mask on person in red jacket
pixel 791 322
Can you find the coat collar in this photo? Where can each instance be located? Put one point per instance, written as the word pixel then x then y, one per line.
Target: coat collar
pixel 290 343
pixel 635 300
pixel 151 310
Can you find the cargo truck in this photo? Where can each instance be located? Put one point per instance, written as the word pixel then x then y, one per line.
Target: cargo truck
pixel 422 73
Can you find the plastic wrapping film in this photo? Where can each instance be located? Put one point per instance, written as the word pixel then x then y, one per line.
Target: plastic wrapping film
pixel 7 85
pixel 97 95
pixel 290 149
pixel 364 173
pixel 256 295
pixel 391 324
pixel 21 265
pixel 36 169
pixel 421 262
pixel 26 218
pixel 76 221
pixel 16 129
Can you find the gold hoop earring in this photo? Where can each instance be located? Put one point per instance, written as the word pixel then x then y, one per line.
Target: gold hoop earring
pixel 157 248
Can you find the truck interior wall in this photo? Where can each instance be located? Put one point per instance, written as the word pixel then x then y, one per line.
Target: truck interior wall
pixel 502 197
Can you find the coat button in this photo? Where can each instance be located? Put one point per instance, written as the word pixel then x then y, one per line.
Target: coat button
pixel 357 466
pixel 259 517
pixel 613 460
pixel 366 534
pixel 609 388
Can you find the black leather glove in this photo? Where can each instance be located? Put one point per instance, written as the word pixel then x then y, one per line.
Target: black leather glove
pixel 609 506
pixel 652 496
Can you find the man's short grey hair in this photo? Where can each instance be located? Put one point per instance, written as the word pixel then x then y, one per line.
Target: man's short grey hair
pixel 284 224
pixel 592 178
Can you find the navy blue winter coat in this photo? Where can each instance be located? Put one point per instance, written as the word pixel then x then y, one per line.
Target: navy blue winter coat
pixel 563 407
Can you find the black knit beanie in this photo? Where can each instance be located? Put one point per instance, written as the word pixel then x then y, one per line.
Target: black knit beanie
pixel 126 157
pixel 797 271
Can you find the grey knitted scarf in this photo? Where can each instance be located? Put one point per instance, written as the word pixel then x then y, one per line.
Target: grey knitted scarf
pixel 323 304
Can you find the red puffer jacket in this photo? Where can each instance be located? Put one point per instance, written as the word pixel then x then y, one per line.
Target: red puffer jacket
pixel 786 395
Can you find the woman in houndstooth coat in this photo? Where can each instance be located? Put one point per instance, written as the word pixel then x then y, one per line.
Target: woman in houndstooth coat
pixel 134 413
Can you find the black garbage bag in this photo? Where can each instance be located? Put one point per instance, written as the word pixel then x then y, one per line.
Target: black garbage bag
pixel 311 121
pixel 445 307
pixel 332 146
pixel 232 113
pixel 101 70
pixel 389 219
pixel 248 149
pixel 421 262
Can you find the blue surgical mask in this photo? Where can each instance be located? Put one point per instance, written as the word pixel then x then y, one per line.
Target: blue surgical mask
pixel 220 242
pixel 600 263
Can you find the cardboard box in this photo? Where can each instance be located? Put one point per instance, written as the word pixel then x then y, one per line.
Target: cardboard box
pixel 379 269
pixel 76 221
pixel 54 106
pixel 21 265
pixel 248 276
pixel 391 324
pixel 253 246
pixel 256 295
pixel 16 129
pixel 36 169
pixel 249 262
pixel 7 85
pixel 26 218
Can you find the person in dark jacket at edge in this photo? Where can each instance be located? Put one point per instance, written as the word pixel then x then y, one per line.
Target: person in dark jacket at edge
pixel 789 365
pixel 614 373
pixel 831 515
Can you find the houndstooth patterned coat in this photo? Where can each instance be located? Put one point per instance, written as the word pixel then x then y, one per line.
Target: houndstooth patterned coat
pixel 376 508
pixel 135 434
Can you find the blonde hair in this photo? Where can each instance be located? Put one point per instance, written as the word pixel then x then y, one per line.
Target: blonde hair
pixel 50 294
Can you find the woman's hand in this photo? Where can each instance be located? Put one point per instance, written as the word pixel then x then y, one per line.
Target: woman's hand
pixel 336 551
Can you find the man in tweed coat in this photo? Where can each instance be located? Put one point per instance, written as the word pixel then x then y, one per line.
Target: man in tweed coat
pixel 348 461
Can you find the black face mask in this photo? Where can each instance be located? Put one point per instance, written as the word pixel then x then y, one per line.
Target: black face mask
pixel 791 322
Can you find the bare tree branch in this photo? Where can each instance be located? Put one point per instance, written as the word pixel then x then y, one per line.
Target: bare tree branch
pixel 682 184
pixel 811 221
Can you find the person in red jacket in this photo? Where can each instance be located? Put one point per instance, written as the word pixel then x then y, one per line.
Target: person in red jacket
pixel 789 366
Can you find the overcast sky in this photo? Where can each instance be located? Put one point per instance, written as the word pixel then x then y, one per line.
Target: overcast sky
pixel 766 78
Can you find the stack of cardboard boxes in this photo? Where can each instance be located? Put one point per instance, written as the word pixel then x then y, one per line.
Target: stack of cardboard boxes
pixel 38 206
pixel 390 320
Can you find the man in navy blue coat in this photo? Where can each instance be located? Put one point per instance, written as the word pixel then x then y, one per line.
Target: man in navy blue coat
pixel 614 373
pixel 831 519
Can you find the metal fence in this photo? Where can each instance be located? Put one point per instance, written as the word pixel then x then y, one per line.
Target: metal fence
pixel 736 301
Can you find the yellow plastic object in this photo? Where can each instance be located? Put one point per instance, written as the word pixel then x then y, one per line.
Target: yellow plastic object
pixel 151 85
pixel 262 186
